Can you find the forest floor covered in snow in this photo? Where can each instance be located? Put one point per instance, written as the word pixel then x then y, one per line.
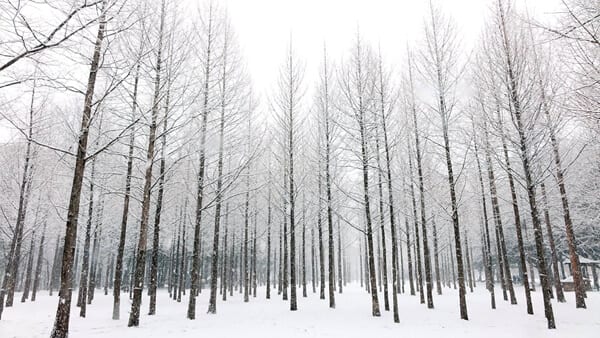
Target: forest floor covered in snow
pixel 351 318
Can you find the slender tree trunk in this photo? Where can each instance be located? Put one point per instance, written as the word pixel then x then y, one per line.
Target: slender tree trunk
pixel 386 301
pixel 517 216
pixel 487 251
pixel 14 256
pixel 498 220
pixel 304 246
pixel 438 282
pixel 409 259
pixel 340 276
pixel 212 304
pixel 367 203
pixel 158 211
pixel 571 241
pixel 125 214
pixel 320 237
pixel 560 296
pixel 61 323
pixel 245 281
pixel 197 246
pixel 28 269
pixel 417 240
pixel 469 275
pixel 515 101
pixel 85 265
pixel 268 282
pixel 226 266
pixel 40 260
pixel 140 265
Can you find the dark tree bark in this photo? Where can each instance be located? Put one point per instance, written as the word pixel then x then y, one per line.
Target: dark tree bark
pixel 304 247
pixel 517 216
pixel 123 232
pixel 313 267
pixel 158 211
pixel 487 251
pixel 245 280
pixel 469 271
pixel 438 282
pixel 85 264
pixel 340 276
pixel 515 100
pixel 386 300
pixel 268 276
pixel 14 256
pixel 560 295
pixel 28 269
pixel 426 254
pixel 498 219
pixel 183 261
pixel 140 265
pixel 409 258
pixel 197 246
pixel 320 231
pixel 226 266
pixel 417 240
pixel 212 303
pixel 61 323
pixel 385 110
pixel 40 260
pixel 571 241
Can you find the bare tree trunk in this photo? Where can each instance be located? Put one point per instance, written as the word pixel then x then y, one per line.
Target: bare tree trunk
pixel 245 281
pixel 313 268
pixel 487 251
pixel 515 101
pixel 388 170
pixel 40 260
pixel 212 304
pixel 226 266
pixel 367 202
pixel 517 216
pixel 61 323
pixel 409 259
pixel 268 282
pixel 304 246
pixel 571 241
pixel 340 259
pixel 28 269
pixel 438 282
pixel 158 211
pixel 320 237
pixel 498 219
pixel 140 265
pixel 182 262
pixel 417 240
pixel 85 265
pixel 14 255
pixel 426 255
pixel 254 253
pixel 386 301
pixel 469 274
pixel 123 232
pixel 560 296
pixel 197 246
pixel 291 187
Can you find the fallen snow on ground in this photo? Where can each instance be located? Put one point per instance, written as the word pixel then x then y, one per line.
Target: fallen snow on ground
pixel 351 318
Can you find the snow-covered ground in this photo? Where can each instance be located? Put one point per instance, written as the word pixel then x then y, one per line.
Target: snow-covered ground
pixel 352 318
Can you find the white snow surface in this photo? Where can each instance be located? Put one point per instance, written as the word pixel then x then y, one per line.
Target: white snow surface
pixel 272 318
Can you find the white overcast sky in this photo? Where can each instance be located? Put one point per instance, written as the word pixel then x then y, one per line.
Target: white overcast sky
pixel 263 28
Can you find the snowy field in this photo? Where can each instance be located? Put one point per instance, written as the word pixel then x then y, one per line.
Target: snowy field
pixel 272 318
